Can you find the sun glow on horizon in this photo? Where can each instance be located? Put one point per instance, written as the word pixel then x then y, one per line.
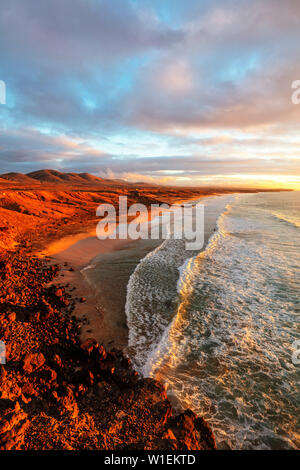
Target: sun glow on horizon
pixel 231 181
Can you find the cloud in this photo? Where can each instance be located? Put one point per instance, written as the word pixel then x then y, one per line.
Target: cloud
pixel 79 33
pixel 242 59
pixel 63 61
pixel 175 77
pixel 31 149
pixel 200 87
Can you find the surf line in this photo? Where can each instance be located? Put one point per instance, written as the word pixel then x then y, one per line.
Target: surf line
pixel 165 356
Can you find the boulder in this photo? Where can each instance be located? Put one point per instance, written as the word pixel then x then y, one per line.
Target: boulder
pixel 33 362
pixel 191 432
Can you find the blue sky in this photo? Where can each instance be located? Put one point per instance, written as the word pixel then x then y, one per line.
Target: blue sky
pixel 176 92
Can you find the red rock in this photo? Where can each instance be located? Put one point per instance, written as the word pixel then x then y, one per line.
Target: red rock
pixel 192 433
pixel 102 352
pixel 12 316
pixel 205 431
pixel 49 374
pixel 13 425
pixel 28 389
pixel 33 362
pixel 68 403
pixel 89 344
pixel 169 435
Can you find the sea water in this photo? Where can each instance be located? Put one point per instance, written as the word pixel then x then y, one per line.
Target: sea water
pixel 219 326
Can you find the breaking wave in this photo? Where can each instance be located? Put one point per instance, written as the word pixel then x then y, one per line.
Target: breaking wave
pixel 217 327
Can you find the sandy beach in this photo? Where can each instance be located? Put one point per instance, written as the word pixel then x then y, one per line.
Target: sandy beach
pixel 74 254
pixel 63 293
pixel 98 272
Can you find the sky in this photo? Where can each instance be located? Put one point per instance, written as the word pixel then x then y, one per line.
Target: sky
pixel 184 92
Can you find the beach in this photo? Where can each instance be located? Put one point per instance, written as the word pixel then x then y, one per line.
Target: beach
pixel 140 295
pixel 74 255
pixel 100 272
pixel 158 302
pixel 66 383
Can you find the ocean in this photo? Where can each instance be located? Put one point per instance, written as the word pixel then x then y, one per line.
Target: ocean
pixel 218 326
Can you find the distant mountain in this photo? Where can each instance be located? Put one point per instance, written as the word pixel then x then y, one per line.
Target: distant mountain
pixel 54 176
pixel 73 178
pixel 96 179
pixel 47 176
pixel 143 183
pixel 59 177
pixel 17 178
pixel 90 178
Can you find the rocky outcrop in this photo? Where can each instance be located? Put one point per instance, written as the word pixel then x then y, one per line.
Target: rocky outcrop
pixel 33 362
pixel 13 425
pixel 56 393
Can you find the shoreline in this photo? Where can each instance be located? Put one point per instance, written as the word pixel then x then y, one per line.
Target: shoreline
pixel 75 254
pixel 74 259
pixel 59 393
pixel 57 390
pixel 98 272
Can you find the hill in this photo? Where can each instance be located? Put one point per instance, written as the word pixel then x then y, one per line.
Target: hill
pixel 17 178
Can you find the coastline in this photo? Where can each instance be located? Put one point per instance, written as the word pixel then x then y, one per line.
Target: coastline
pixel 76 254
pixel 98 272
pixel 55 379
pixel 61 391
pixel 74 259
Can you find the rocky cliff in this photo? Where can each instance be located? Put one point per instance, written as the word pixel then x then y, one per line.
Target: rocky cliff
pixel 56 393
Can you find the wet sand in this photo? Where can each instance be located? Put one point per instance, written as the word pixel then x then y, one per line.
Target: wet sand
pixel 74 254
pixel 99 275
pixel 108 276
pixel 109 273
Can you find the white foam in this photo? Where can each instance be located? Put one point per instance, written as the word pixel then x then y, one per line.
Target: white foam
pixel 227 353
pixel 153 296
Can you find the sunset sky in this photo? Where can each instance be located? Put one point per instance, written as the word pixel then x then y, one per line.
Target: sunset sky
pixel 183 92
